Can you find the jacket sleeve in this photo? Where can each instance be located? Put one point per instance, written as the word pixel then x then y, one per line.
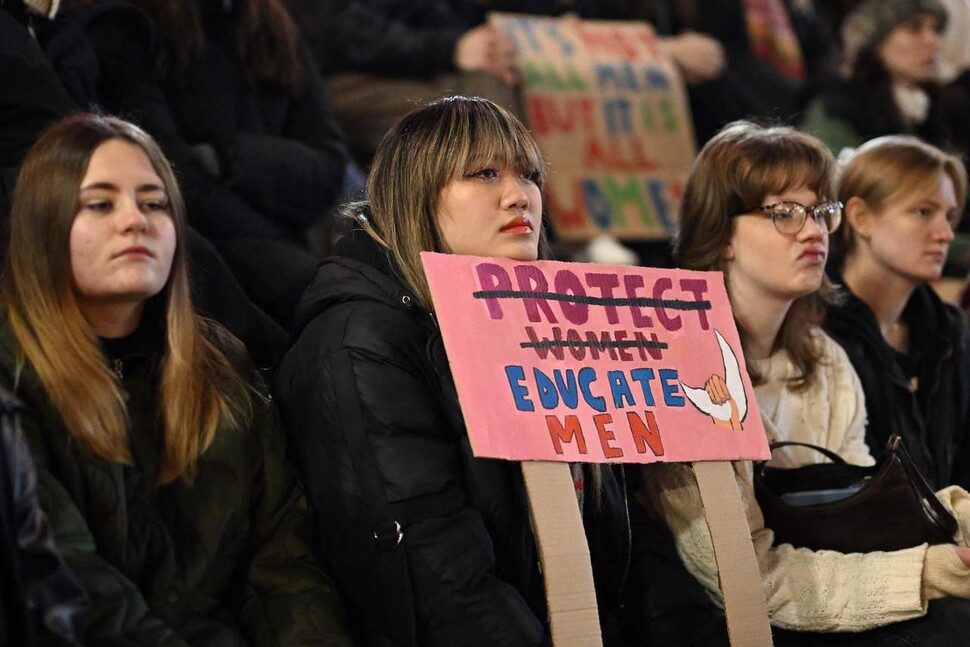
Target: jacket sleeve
pixel 961 349
pixel 366 36
pixel 119 616
pixel 52 594
pixel 447 585
pixel 124 42
pixel 289 600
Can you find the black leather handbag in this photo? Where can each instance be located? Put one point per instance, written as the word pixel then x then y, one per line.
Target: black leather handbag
pixel 892 507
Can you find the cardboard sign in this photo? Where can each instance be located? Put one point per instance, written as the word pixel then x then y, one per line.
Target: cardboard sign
pixel 611 116
pixel 594 363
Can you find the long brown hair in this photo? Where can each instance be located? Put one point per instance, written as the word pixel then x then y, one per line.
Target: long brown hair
pixel 734 171
pixel 267 40
pixel 198 388
pixel 887 167
pixel 428 148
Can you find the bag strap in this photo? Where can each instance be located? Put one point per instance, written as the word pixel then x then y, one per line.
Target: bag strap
pixel 835 458
pixel 935 509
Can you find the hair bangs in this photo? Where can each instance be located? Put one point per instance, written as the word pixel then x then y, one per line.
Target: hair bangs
pixel 783 164
pixel 490 137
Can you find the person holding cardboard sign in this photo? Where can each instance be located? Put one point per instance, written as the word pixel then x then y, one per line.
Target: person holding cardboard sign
pixel 431 545
pixel 759 206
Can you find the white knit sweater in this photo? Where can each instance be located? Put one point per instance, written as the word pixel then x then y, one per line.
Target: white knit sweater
pixel 805 590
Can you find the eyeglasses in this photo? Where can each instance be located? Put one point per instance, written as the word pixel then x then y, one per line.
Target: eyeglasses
pixel 789 217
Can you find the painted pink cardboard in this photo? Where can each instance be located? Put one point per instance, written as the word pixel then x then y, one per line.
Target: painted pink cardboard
pixel 594 363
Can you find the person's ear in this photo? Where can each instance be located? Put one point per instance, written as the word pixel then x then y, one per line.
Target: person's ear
pixel 860 217
pixel 728 253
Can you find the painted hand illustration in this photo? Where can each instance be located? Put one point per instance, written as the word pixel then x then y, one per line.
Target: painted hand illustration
pixel 722 398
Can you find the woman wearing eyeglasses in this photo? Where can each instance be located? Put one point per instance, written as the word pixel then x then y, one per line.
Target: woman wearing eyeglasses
pixel 759 205
pixel 903 198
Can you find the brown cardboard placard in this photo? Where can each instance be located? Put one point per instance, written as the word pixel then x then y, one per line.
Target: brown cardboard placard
pixel 611 116
pixel 737 567
pixel 564 554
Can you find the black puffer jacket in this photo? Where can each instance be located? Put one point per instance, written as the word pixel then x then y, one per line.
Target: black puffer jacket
pixel 42 603
pixel 277 162
pixel 934 420
pixel 375 419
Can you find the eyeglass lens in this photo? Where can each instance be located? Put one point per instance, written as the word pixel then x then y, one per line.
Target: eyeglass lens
pixel 790 217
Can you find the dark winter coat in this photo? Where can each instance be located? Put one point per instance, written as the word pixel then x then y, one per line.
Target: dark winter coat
pixel 31 97
pixel 254 162
pixel 41 602
pixel 933 419
pixel 385 37
pixel 380 437
pixel 225 561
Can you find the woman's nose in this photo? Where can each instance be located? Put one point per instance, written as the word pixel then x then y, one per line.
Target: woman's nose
pixel 131 217
pixel 944 233
pixel 514 195
pixel 814 226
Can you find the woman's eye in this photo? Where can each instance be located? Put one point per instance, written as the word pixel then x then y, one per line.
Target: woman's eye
pixel 783 213
pixel 155 205
pixel 531 176
pixel 486 174
pixel 913 25
pixel 98 205
pixel 924 212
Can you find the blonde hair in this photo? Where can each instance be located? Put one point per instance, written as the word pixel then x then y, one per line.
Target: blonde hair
pixel 882 169
pixel 198 390
pixel 428 148
pixel 734 172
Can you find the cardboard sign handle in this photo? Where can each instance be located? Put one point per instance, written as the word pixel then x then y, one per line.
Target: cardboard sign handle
pixel 744 600
pixel 564 554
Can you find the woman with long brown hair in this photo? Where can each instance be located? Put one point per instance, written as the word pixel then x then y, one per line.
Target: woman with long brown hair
pixel 161 467
pixel 759 205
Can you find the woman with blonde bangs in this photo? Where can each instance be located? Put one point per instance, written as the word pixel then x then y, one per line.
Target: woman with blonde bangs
pixel 760 206
pixel 431 545
pixel 160 464
pixel 903 198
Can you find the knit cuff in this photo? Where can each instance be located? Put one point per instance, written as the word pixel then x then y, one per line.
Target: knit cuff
pixel 944 574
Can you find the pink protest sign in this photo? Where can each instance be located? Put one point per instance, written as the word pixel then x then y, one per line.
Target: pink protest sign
pixel 594 363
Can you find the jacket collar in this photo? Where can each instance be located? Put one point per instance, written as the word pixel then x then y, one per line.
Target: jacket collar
pixel 932 324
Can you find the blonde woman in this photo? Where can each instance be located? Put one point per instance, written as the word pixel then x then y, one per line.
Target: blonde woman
pixel 160 464
pixel 903 199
